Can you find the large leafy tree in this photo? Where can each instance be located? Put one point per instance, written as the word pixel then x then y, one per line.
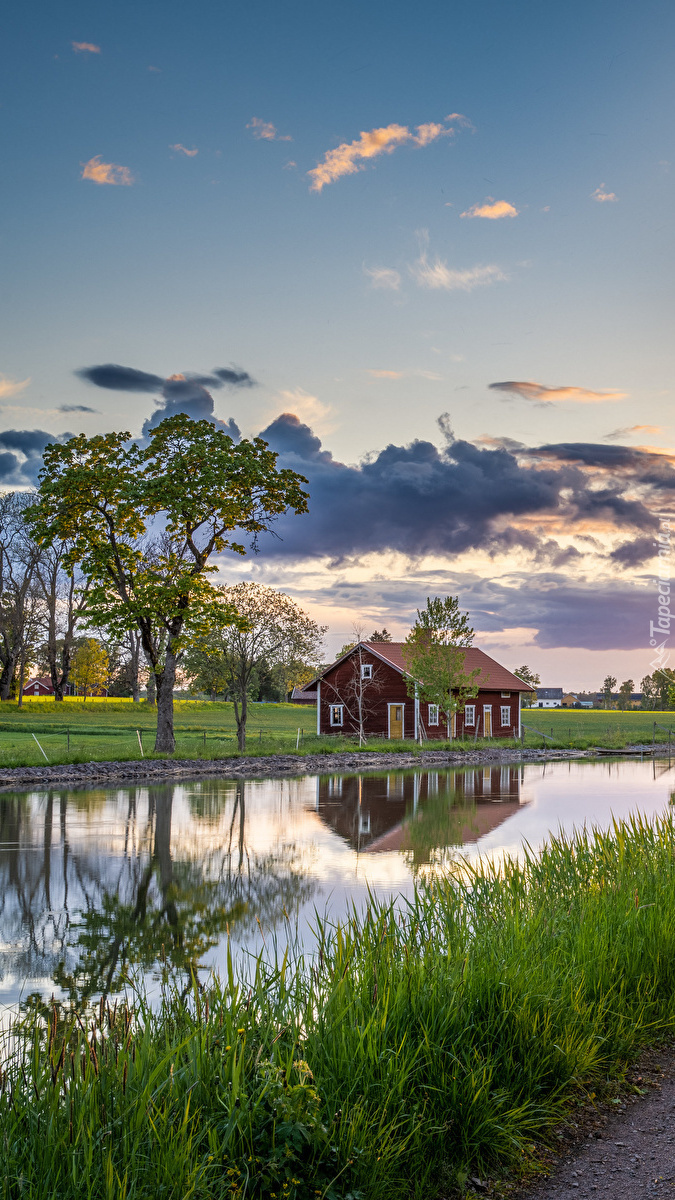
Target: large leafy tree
pixel 528 676
pixel 434 654
pixel 275 633
pixel 144 523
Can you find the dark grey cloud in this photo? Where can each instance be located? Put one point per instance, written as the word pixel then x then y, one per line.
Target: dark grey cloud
pixel 129 379
pixel 121 379
pixel 235 377
pixel 76 408
pixel 416 499
pixel 183 393
pixel 634 553
pixel 21 453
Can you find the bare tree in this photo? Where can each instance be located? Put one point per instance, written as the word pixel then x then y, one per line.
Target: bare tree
pixel 64 597
pixel 277 632
pixel 359 693
pixel 19 557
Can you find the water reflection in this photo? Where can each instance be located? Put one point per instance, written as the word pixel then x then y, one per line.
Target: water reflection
pixel 94 884
pixel 421 814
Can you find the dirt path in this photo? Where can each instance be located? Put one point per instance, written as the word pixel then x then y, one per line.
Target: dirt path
pixel 625 1154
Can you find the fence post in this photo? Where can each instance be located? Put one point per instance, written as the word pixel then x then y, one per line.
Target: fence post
pixel 654 734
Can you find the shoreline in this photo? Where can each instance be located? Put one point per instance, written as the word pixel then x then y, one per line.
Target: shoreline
pixel 274 766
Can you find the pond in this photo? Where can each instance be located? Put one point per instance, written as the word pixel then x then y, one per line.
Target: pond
pixel 95 883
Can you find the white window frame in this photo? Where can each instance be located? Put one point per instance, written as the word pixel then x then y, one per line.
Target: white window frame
pixel 506 714
pixel 470 714
pixel 434 714
pixel 337 708
pixel 506 695
pixel 366 670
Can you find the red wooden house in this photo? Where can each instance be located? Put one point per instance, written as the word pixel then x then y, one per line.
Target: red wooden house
pixel 366 687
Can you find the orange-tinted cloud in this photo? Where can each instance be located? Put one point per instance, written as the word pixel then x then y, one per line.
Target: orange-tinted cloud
pixel 350 157
pixel 384 277
pixel 603 197
pixel 11 387
pixel 386 374
pixel 539 392
pixel 102 172
pixel 491 210
pixel 266 131
pixel 438 275
pixel 633 430
pixel 85 48
pixel 184 150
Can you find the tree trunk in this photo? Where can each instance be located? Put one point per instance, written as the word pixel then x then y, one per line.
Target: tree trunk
pixel 165 741
pixel 240 715
pixel 152 689
pixel 135 643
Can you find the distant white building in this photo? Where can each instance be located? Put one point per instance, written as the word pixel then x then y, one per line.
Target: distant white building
pixel 549 698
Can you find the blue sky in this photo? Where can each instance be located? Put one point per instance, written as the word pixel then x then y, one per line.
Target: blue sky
pixel 527 240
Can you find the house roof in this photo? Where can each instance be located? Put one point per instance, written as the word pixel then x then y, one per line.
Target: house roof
pixel 549 693
pixel 492 674
pixel 44 680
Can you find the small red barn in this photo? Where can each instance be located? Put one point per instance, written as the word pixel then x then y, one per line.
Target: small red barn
pixel 367 686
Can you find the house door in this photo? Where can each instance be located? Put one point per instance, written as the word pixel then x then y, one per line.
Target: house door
pixel 395 720
pixel 487 720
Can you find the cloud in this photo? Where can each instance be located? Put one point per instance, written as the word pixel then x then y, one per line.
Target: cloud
pixel 492 210
pixel 184 150
pixel 21 453
pixel 432 375
pixel 350 157
pixel 234 377
pixel 85 48
pixel 542 394
pixel 266 131
pixel 383 277
pixel 438 275
pixel 417 499
pixel 180 393
pixel 121 379
pixel 128 379
pixel 632 430
pixel 11 387
pixel 101 172
pixel 309 408
pixel 82 408
pixel 603 197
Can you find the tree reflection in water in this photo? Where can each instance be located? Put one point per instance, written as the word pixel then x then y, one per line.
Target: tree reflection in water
pixel 85 913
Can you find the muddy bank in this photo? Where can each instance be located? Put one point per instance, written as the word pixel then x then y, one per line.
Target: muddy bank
pixel 270 766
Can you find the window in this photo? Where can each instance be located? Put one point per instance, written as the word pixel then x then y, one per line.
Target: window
pixel 470 714
pixel 336 711
pixel 366 670
pixel 505 695
pixel 433 714
pixel 506 714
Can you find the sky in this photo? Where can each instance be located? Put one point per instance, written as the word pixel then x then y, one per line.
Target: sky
pixel 425 251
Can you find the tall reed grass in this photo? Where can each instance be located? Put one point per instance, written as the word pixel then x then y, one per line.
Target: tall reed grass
pixel 414 1046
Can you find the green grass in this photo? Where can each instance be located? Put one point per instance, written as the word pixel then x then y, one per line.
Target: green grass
pixel 101 730
pixel 411 1050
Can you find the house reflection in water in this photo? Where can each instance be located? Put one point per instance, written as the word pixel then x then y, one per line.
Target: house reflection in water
pixel 421 812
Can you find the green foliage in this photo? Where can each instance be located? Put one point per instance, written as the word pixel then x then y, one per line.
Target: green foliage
pixel 273 634
pixel 609 683
pixel 380 635
pixel 89 672
pixel 530 677
pixel 434 655
pixel 103 495
pixel 412 1047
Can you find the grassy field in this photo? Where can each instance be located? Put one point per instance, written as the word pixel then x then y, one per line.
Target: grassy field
pixel 96 730
pixel 411 1051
